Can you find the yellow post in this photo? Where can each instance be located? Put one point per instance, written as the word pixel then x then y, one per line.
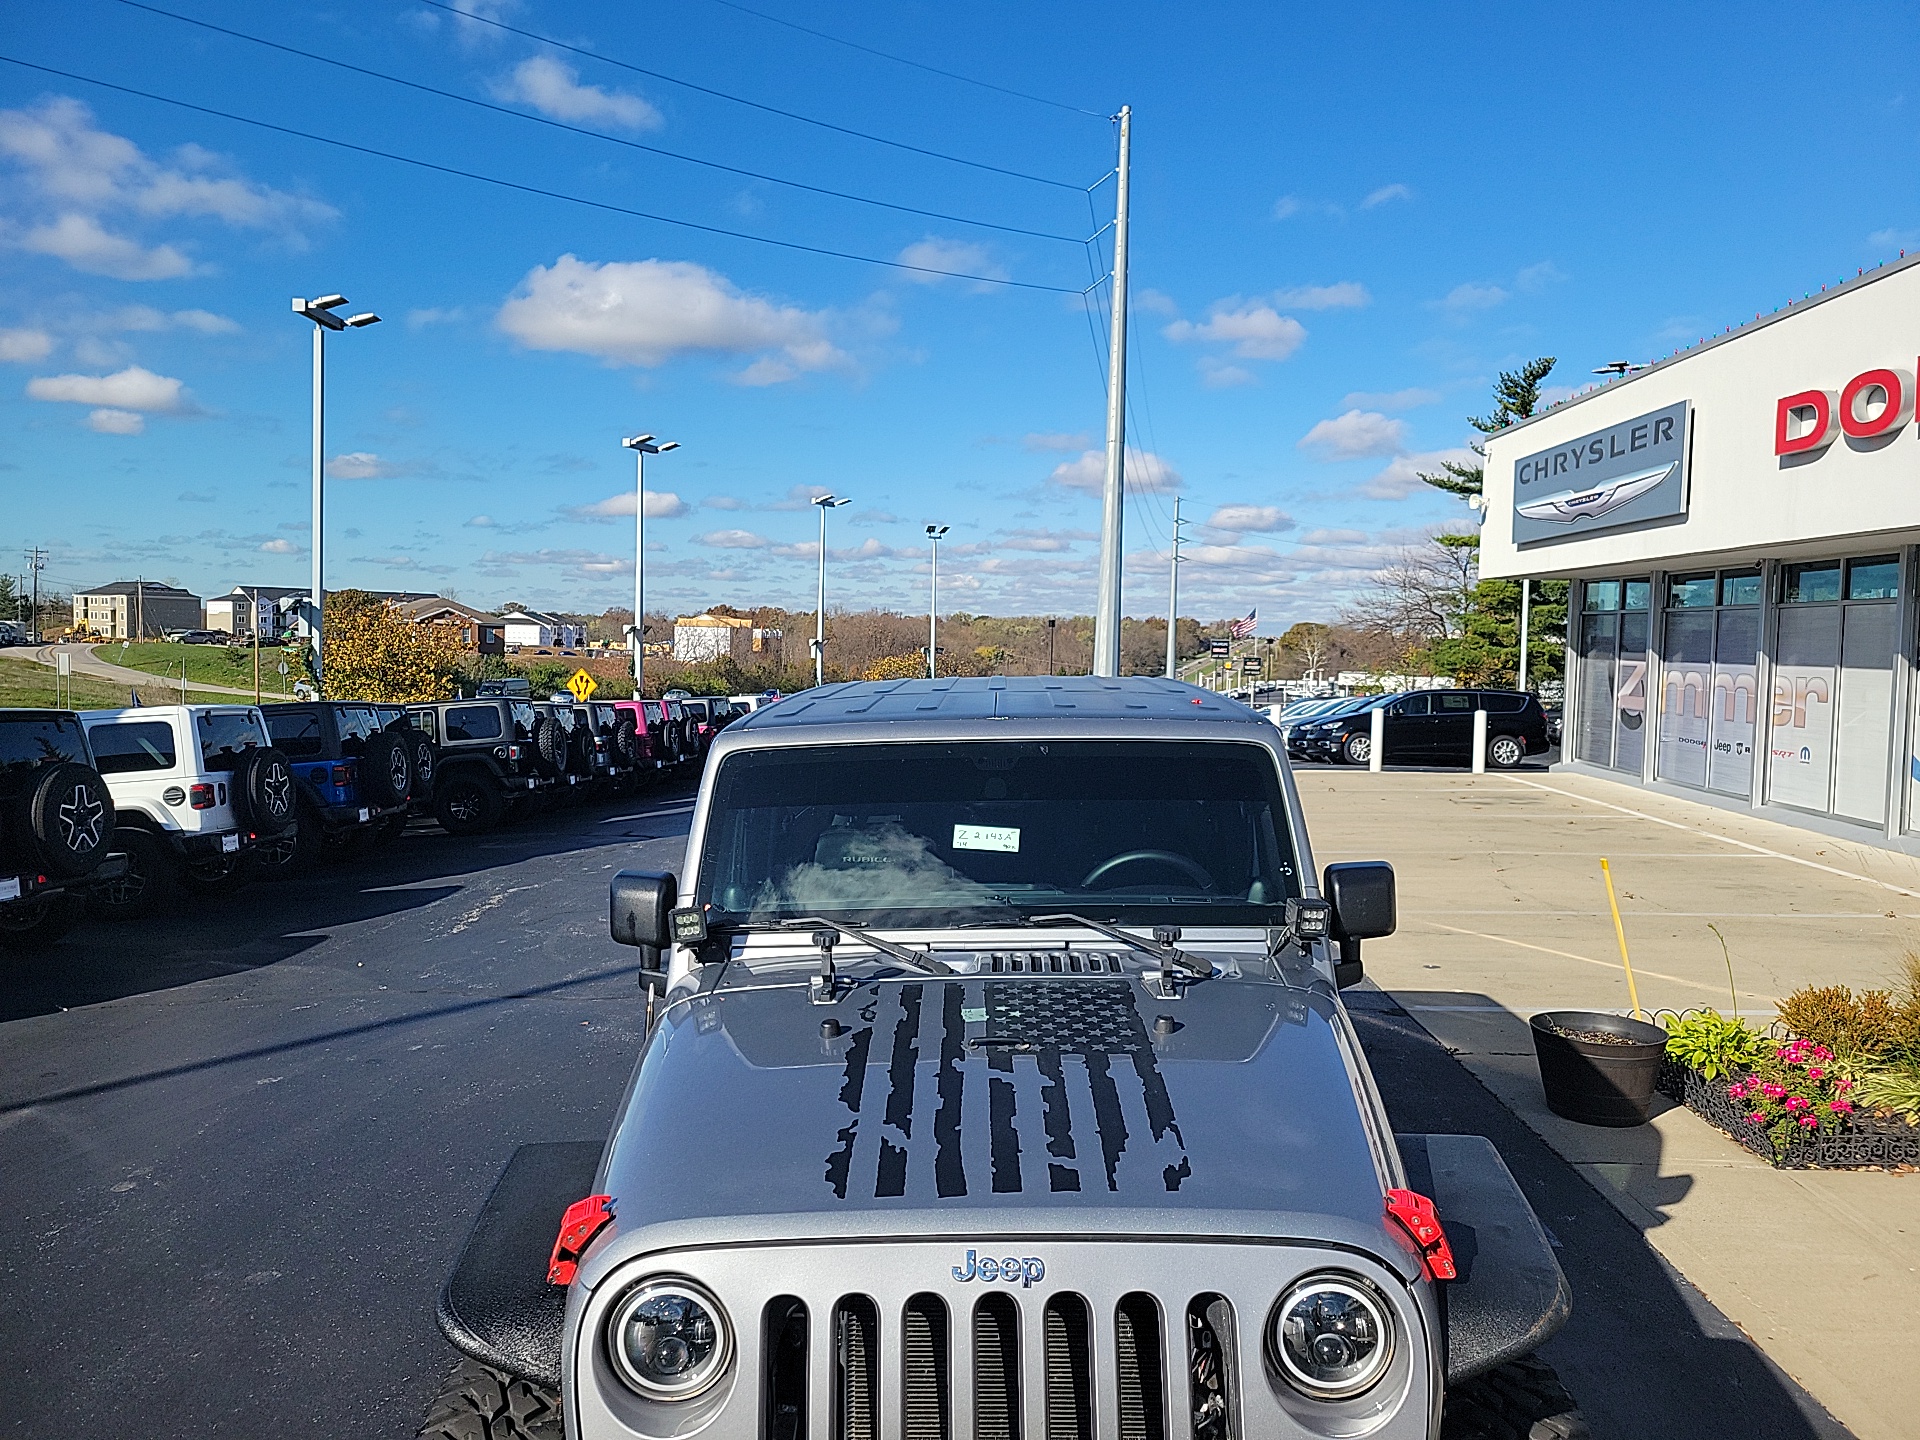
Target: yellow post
pixel 1620 933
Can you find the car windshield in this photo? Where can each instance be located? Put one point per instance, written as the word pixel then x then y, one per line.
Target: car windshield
pixel 980 832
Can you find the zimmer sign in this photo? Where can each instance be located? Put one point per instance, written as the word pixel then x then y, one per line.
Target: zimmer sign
pixel 1624 475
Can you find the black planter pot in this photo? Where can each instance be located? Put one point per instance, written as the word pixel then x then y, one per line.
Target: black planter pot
pixel 1595 1083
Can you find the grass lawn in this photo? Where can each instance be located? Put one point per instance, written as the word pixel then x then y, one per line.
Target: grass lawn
pixel 24 684
pixel 207 664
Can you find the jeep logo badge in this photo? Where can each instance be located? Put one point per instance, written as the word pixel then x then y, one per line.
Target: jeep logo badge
pixel 1015 1270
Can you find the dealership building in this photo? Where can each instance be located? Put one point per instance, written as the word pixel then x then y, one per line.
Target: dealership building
pixel 1741 524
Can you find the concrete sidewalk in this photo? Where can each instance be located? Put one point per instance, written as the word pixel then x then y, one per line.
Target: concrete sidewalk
pixel 1504 914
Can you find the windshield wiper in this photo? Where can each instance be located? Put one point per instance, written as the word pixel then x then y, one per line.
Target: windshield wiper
pixel 914 959
pixel 1161 947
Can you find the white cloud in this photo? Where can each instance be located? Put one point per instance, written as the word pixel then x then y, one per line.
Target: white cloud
pixel 554 89
pixel 1218 375
pixel 281 547
pixel 1042 442
pixel 1473 295
pixel 77 173
pixel 1892 239
pixel 24 346
pixel 1409 399
pixel 1385 194
pixel 1343 295
pixel 661 505
pixel 365 465
pixel 131 389
pixel 955 258
pixel 1145 471
pixel 733 540
pixel 421 319
pixel 1535 278
pixel 1154 303
pixel 1356 435
pixel 1286 207
pixel 1240 519
pixel 86 246
pixel 1401 478
pixel 116 422
pixel 647 312
pixel 481 522
pixel 206 322
pixel 1254 329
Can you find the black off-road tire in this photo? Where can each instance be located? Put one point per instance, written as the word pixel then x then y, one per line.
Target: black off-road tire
pixel 151 871
pixel 221 875
pixel 37 922
pixel 291 852
pixel 549 743
pixel 69 817
pixel 386 770
pixel 477 1402
pixel 626 742
pixel 466 805
pixel 264 798
pixel 1521 1400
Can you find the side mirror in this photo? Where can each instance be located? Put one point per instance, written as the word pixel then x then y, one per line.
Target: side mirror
pixel 1361 894
pixel 639 904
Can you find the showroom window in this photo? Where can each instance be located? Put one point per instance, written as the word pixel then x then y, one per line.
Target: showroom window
pixel 1832 703
pixel 1611 730
pixel 1708 677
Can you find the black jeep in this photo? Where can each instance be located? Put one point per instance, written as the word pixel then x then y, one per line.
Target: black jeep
pixel 355 768
pixel 56 826
pixel 488 758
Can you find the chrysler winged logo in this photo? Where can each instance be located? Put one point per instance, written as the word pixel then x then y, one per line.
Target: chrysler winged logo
pixel 1023 1270
pixel 1602 499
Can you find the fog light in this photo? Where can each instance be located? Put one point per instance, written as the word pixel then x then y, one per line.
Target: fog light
pixel 1331 1336
pixel 669 1340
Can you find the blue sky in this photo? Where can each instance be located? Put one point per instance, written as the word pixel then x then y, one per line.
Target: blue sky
pixel 1345 221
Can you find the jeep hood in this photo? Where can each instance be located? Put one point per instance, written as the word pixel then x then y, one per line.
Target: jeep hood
pixel 1070 1096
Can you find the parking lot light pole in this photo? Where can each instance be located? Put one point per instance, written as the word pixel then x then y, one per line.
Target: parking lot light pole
pixel 642 446
pixel 320 312
pixel 826 503
pixel 934 535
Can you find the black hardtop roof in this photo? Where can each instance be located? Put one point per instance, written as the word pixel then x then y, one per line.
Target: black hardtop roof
pixel 1077 697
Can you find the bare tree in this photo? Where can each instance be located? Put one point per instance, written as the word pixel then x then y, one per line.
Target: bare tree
pixel 1418 597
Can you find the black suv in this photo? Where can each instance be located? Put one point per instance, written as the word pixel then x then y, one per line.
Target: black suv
pixel 56 826
pixel 487 763
pixel 355 769
pixel 1435 727
pixel 599 750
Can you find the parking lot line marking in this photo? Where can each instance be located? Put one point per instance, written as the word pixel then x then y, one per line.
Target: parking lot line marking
pixel 1585 959
pixel 1685 914
pixel 1727 839
pixel 648 815
pixel 1534 1008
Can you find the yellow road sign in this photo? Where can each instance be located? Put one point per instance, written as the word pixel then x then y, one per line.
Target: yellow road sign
pixel 582 685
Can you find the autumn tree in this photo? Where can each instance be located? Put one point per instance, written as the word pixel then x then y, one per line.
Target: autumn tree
pixel 1307 642
pixel 373 652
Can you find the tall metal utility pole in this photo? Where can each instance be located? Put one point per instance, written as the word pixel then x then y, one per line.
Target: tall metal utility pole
pixel 642 446
pixel 1173 596
pixel 1106 615
pixel 36 562
pixel 825 503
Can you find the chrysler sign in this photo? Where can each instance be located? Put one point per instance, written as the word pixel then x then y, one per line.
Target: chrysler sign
pixel 1624 475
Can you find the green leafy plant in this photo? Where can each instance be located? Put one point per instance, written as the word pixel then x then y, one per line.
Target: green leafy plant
pixel 1716 1045
pixel 1796 1090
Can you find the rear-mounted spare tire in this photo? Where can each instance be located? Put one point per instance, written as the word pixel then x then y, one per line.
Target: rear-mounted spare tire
pixel 69 820
pixel 263 794
pixel 386 770
pixel 549 746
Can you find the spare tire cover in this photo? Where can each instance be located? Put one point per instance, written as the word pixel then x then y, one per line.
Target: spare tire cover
pixel 386 769
pixel 263 792
pixel 69 819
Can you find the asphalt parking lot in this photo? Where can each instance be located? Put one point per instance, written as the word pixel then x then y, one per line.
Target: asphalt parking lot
pixel 240 1146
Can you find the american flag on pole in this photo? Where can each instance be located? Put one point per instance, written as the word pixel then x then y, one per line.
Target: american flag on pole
pixel 1242 629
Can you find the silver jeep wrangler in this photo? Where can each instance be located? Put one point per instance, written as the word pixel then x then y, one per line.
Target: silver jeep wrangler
pixel 997 1085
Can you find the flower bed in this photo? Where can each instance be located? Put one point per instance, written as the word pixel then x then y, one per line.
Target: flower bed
pixel 1853 1139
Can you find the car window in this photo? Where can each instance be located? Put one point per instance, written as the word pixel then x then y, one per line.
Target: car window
pixel 356 722
pixel 1502 702
pixel 427 722
pixel 297 734
pixel 227 735
pixel 28 743
pixel 522 719
pixel 473 722
pixel 993 830
pixel 1453 702
pixel 1411 705
pixel 126 749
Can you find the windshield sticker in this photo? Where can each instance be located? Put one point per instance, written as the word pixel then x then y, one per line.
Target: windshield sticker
pixel 987 837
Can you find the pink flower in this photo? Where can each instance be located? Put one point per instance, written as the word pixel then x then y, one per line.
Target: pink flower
pixel 1814 1072
pixel 1809 1122
pixel 1798 1102
pixel 1842 1086
pixel 1757 1117
pixel 1773 1092
pixel 1820 1052
pixel 1840 1107
pixel 1737 1092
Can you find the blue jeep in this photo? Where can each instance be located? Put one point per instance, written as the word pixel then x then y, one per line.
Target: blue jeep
pixel 354 765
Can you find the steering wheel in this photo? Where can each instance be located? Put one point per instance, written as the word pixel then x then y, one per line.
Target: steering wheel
pixel 1186 866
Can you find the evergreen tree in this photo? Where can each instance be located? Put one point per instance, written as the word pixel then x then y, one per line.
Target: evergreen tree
pixel 1516 395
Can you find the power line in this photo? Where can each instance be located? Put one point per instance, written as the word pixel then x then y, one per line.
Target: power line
pixel 914 64
pixel 534 189
pixel 582 130
pixel 742 100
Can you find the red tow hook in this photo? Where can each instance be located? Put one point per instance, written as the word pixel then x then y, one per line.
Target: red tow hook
pixel 584 1220
pixel 1416 1215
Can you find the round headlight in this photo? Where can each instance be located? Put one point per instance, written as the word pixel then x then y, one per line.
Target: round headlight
pixel 669 1340
pixel 1331 1336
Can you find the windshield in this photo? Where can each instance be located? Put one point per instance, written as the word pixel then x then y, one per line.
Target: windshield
pixel 1188 832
